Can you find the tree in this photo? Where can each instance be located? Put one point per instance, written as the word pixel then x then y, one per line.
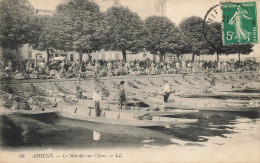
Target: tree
pixel 78 25
pixel 192 28
pixel 242 49
pixel 125 31
pixel 214 38
pixel 46 38
pixel 164 37
pixel 18 24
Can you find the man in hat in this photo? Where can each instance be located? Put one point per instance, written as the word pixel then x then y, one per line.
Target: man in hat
pixel 122 97
pixel 96 98
pixel 167 91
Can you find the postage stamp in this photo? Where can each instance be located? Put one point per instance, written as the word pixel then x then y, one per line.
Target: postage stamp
pixel 239 22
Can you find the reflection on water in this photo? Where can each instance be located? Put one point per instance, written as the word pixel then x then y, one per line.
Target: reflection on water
pixel 49 130
pixel 96 135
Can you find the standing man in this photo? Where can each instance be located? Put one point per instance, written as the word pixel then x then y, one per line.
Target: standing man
pixel 96 98
pixel 122 97
pixel 167 91
pixel 10 65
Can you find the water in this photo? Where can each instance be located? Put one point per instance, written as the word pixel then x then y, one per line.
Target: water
pixel 51 131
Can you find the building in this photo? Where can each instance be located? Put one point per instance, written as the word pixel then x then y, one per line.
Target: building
pixel 117 2
pixel 26 52
pixel 160 7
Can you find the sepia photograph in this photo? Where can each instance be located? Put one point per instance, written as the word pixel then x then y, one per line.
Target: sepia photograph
pixel 137 81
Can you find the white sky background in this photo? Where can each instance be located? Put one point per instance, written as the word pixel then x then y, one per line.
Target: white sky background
pixel 176 10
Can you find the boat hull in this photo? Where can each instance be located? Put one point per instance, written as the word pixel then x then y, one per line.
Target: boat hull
pixel 25 112
pixel 120 119
pixel 216 108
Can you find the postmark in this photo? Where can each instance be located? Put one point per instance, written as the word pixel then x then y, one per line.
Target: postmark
pixel 239 23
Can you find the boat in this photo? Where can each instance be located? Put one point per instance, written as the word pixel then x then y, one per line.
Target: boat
pixel 239 108
pixel 151 111
pixel 221 95
pixel 223 106
pixel 108 128
pixel 69 99
pixel 41 91
pixel 63 89
pixel 26 112
pixel 131 111
pixel 120 118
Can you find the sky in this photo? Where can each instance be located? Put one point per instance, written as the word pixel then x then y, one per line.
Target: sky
pixel 176 10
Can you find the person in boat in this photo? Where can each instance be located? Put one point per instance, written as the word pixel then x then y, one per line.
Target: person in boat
pixel 16 104
pixel 96 98
pixel 122 97
pixel 167 91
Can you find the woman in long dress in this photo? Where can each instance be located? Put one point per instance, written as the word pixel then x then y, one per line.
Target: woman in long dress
pixel 241 33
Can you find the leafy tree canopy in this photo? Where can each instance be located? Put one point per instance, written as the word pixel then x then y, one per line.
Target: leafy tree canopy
pixel 18 23
pixel 125 31
pixel 192 28
pixel 78 26
pixel 45 40
pixel 164 37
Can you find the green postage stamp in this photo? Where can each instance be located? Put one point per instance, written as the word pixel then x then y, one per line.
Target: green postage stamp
pixel 239 22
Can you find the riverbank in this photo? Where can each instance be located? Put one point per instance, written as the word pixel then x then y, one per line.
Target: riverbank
pixel 123 77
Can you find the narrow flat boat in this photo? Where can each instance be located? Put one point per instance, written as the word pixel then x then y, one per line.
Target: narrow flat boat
pixel 64 90
pixel 239 108
pixel 41 91
pixel 26 112
pixel 221 95
pixel 122 118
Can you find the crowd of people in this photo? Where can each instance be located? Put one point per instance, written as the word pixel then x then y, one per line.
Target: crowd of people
pixel 34 69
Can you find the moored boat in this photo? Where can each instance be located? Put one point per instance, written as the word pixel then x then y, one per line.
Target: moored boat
pixel 123 118
pixel 221 95
pixel 239 108
pixel 63 89
pixel 26 112
pixel 41 91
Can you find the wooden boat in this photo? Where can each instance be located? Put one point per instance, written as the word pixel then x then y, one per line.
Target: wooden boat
pixel 41 91
pixel 108 128
pixel 239 108
pixel 243 90
pixel 48 93
pixel 132 111
pixel 236 107
pixel 164 112
pixel 18 92
pixel 108 117
pixel 223 95
pixel 63 89
pixel 26 112
pixel 152 112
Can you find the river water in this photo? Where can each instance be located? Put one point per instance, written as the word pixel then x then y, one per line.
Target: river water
pixel 50 131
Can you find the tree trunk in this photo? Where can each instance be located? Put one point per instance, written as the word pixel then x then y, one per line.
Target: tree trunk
pixel 161 57
pixel 193 57
pixel 124 55
pixel 178 57
pixel 79 61
pixel 238 60
pixel 17 63
pixel 217 57
pixel 48 56
pixel 89 57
